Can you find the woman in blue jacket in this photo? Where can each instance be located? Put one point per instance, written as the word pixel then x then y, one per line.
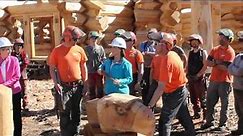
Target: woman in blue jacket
pixel 117 70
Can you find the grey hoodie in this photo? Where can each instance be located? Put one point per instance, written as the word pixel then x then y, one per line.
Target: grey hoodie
pixel 236 69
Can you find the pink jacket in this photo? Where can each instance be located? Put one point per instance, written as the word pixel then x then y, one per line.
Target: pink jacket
pixel 13 74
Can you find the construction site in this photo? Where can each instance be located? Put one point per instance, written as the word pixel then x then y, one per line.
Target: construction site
pixel 44 21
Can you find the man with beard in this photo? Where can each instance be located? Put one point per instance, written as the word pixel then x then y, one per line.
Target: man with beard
pixel 219 59
pixel 69 73
pixel 195 74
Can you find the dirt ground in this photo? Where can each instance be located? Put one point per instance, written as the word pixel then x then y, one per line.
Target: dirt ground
pixel 41 120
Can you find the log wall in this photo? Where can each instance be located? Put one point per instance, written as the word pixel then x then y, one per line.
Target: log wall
pixel 136 15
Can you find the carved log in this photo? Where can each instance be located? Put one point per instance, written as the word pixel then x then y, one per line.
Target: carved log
pixel 126 114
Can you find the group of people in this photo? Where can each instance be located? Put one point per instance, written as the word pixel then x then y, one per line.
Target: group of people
pixel 156 67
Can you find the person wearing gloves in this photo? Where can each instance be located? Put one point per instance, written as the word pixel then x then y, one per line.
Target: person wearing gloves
pixel 236 69
pixel 117 69
pixel 9 76
pixel 219 59
pixel 171 86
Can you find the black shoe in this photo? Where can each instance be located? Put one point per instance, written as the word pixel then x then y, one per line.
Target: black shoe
pixel 237 132
pixel 196 116
pixel 206 125
pixel 221 128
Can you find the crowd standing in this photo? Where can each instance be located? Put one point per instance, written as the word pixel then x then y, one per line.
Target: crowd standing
pixel 157 67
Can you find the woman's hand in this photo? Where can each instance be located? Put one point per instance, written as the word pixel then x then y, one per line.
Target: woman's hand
pixel 116 81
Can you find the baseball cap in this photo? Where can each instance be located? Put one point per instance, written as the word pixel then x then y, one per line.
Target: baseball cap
pixel 118 32
pixel 94 34
pixel 227 33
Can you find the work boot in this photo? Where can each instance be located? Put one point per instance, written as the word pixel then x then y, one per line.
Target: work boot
pixel 196 115
pixel 206 125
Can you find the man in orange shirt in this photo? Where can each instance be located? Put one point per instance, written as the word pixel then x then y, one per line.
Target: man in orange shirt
pixel 219 59
pixel 68 71
pixel 171 85
pixel 135 57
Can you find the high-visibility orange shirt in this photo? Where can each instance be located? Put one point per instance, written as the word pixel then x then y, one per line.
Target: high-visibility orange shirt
pixel 172 72
pixel 68 61
pixel 155 66
pixel 135 57
pixel 223 54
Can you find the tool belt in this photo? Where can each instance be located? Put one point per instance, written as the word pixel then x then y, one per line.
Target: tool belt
pixel 72 84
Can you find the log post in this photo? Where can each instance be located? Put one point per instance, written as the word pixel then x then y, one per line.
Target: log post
pixel 202 22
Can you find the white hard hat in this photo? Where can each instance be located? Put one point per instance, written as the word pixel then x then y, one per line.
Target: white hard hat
pixel 118 42
pixel 4 42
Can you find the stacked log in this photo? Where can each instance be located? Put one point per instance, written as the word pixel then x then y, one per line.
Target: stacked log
pixel 4 30
pixel 95 21
pixel 147 15
pixel 120 15
pixel 232 17
pixel 73 13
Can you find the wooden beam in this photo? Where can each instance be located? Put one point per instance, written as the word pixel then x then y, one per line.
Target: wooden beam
pixel 202 22
pixel 216 19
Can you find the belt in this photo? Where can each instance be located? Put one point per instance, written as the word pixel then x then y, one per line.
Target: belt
pixel 177 90
pixel 73 83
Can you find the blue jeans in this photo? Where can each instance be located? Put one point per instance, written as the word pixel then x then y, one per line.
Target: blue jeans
pixel 175 104
pixel 70 116
pixel 215 91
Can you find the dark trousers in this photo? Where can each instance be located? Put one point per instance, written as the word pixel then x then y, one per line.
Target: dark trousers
pixel 95 86
pixel 238 94
pixel 17 114
pixel 175 104
pixel 23 83
pixel 153 86
pixel 70 116
pixel 197 89
pixel 145 89
pixel 133 83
